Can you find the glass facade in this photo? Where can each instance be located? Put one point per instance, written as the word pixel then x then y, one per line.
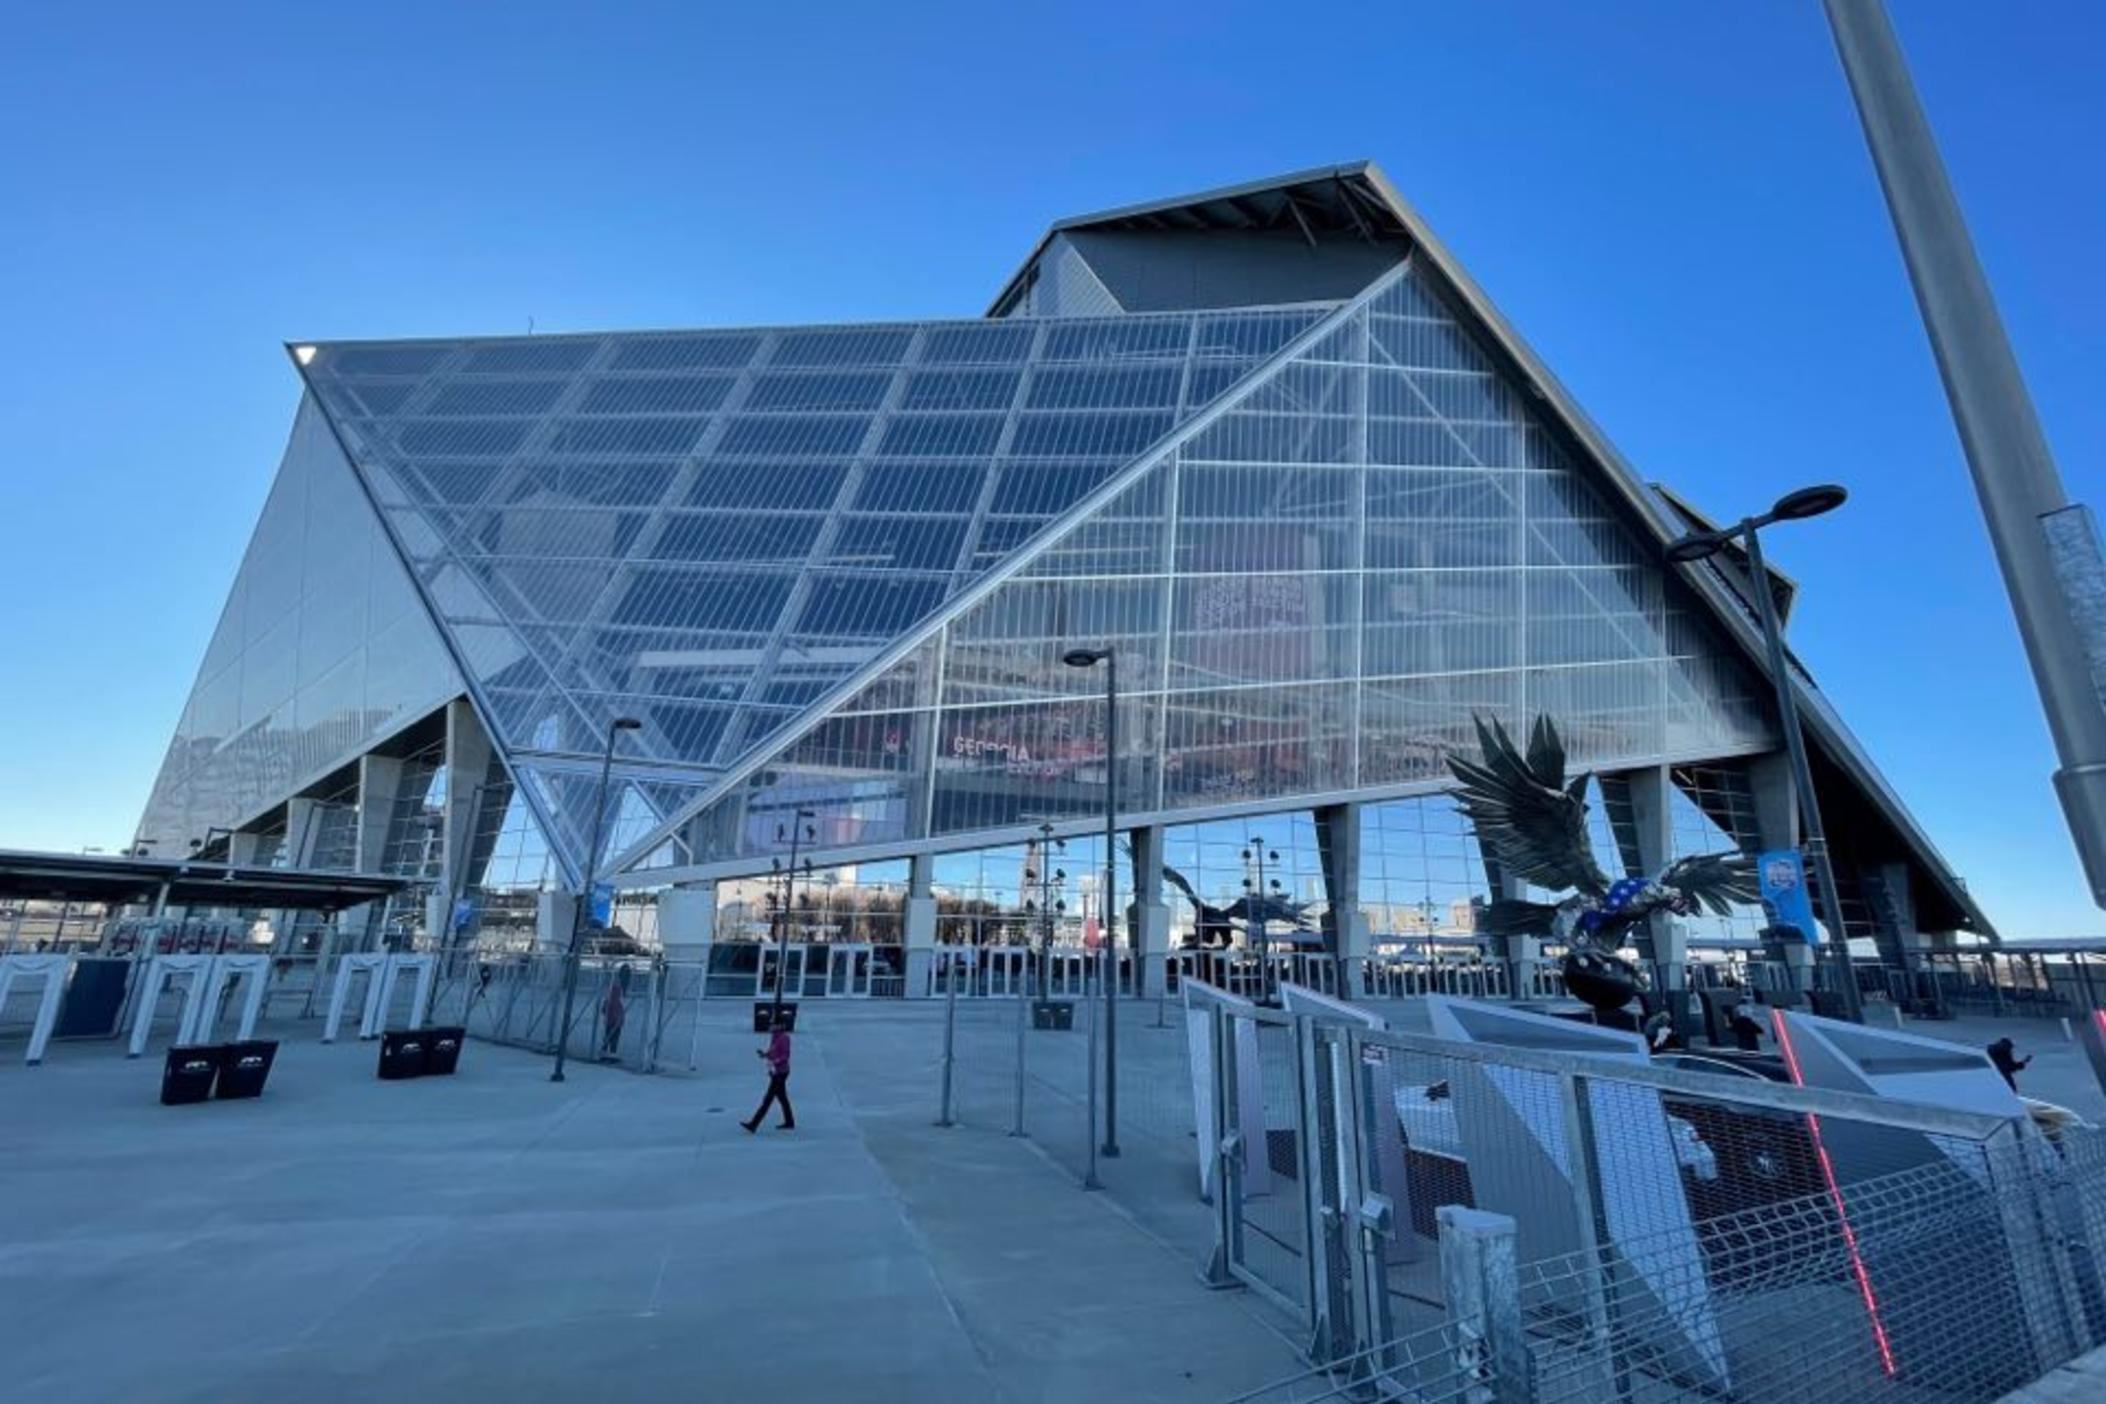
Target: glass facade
pixel 712 531
pixel 322 648
pixel 1317 514
pixel 1312 589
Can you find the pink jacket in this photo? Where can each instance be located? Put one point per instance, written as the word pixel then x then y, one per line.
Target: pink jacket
pixel 779 1053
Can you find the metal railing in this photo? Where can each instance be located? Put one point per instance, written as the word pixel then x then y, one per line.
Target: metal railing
pixel 1678 1234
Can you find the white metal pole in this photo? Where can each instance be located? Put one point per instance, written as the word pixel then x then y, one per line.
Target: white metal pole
pixel 2014 472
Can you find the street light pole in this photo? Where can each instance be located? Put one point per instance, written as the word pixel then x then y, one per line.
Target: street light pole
pixel 2044 545
pixel 799 829
pixel 1107 963
pixel 1806 502
pixel 583 907
pixel 1257 903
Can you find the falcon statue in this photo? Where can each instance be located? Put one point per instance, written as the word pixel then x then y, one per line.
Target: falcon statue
pixel 1214 927
pixel 1533 824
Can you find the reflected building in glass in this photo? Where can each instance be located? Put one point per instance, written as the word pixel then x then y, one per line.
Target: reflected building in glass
pixel 1269 444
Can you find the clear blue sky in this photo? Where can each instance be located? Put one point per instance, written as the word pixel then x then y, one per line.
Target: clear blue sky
pixel 1670 199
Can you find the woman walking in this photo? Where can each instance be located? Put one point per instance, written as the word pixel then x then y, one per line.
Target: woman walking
pixel 777 1056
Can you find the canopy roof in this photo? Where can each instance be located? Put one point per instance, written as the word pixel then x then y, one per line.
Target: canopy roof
pixel 117 880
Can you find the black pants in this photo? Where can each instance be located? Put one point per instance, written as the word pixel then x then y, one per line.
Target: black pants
pixel 778 1091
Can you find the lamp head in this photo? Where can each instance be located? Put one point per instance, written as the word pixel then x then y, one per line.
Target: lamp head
pixel 1810 501
pixel 1085 657
pixel 627 724
pixel 1695 547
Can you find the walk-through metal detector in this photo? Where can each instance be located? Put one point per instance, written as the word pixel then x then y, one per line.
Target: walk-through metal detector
pixel 194 971
pixel 254 970
pixel 381 969
pixel 51 969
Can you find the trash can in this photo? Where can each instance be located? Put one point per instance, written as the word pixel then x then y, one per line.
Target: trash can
pixel 402 1054
pixel 1053 1014
pixel 442 1049
pixel 764 1016
pixel 245 1066
pixel 188 1073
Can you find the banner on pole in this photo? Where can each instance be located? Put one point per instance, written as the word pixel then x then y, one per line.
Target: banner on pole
pixel 1783 875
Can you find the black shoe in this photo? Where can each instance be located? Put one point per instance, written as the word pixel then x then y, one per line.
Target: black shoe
pixel 787 1126
pixel 749 1127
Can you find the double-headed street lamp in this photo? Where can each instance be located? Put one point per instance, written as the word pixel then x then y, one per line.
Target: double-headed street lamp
pixel 1257 906
pixel 780 906
pixel 581 913
pixel 1806 502
pixel 1090 658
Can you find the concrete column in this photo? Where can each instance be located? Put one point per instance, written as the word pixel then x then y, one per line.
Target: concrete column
pixel 302 829
pixel 1777 824
pixel 241 847
pixel 1652 817
pixel 921 923
pixel 1521 954
pixel 1148 931
pixel 1894 911
pixel 468 755
pixel 1776 800
pixel 379 781
pixel 555 914
pixel 1345 923
pixel 687 921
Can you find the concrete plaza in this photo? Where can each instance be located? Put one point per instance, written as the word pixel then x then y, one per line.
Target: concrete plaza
pixel 493 1236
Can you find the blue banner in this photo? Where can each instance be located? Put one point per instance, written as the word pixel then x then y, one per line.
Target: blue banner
pixel 600 910
pixel 1783 875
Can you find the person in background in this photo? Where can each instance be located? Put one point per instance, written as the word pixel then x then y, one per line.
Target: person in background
pixel 1747 1026
pixel 777 1056
pixel 2007 1061
pixel 613 1011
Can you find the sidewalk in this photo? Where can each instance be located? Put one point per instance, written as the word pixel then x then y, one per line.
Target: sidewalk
pixel 493 1236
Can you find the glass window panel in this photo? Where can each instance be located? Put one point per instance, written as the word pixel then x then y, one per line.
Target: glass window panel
pixel 381 360
pixel 941 436
pixel 920 487
pixel 977 344
pixel 472 438
pixel 1110 435
pixel 707 350
pixel 739 536
pixel 700 599
pixel 861 390
pixel 961 389
pixel 381 396
pixel 639 435
pixel 656 394
pixel 1044 489
pixel 496 397
pixel 858 606
pixel 899 543
pixel 845 346
pixel 539 354
pixel 523 531
pixel 1119 339
pixel 1100 387
pixel 453 483
pixel 791 488
pixel 786 435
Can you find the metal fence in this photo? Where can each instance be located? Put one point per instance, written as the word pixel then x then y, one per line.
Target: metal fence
pixel 1679 1235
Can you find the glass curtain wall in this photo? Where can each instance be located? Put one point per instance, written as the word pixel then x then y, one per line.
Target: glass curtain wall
pixel 1312 593
pixel 709 531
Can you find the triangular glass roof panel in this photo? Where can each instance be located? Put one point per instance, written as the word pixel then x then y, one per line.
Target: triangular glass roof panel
pixel 710 530
pixel 1311 593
